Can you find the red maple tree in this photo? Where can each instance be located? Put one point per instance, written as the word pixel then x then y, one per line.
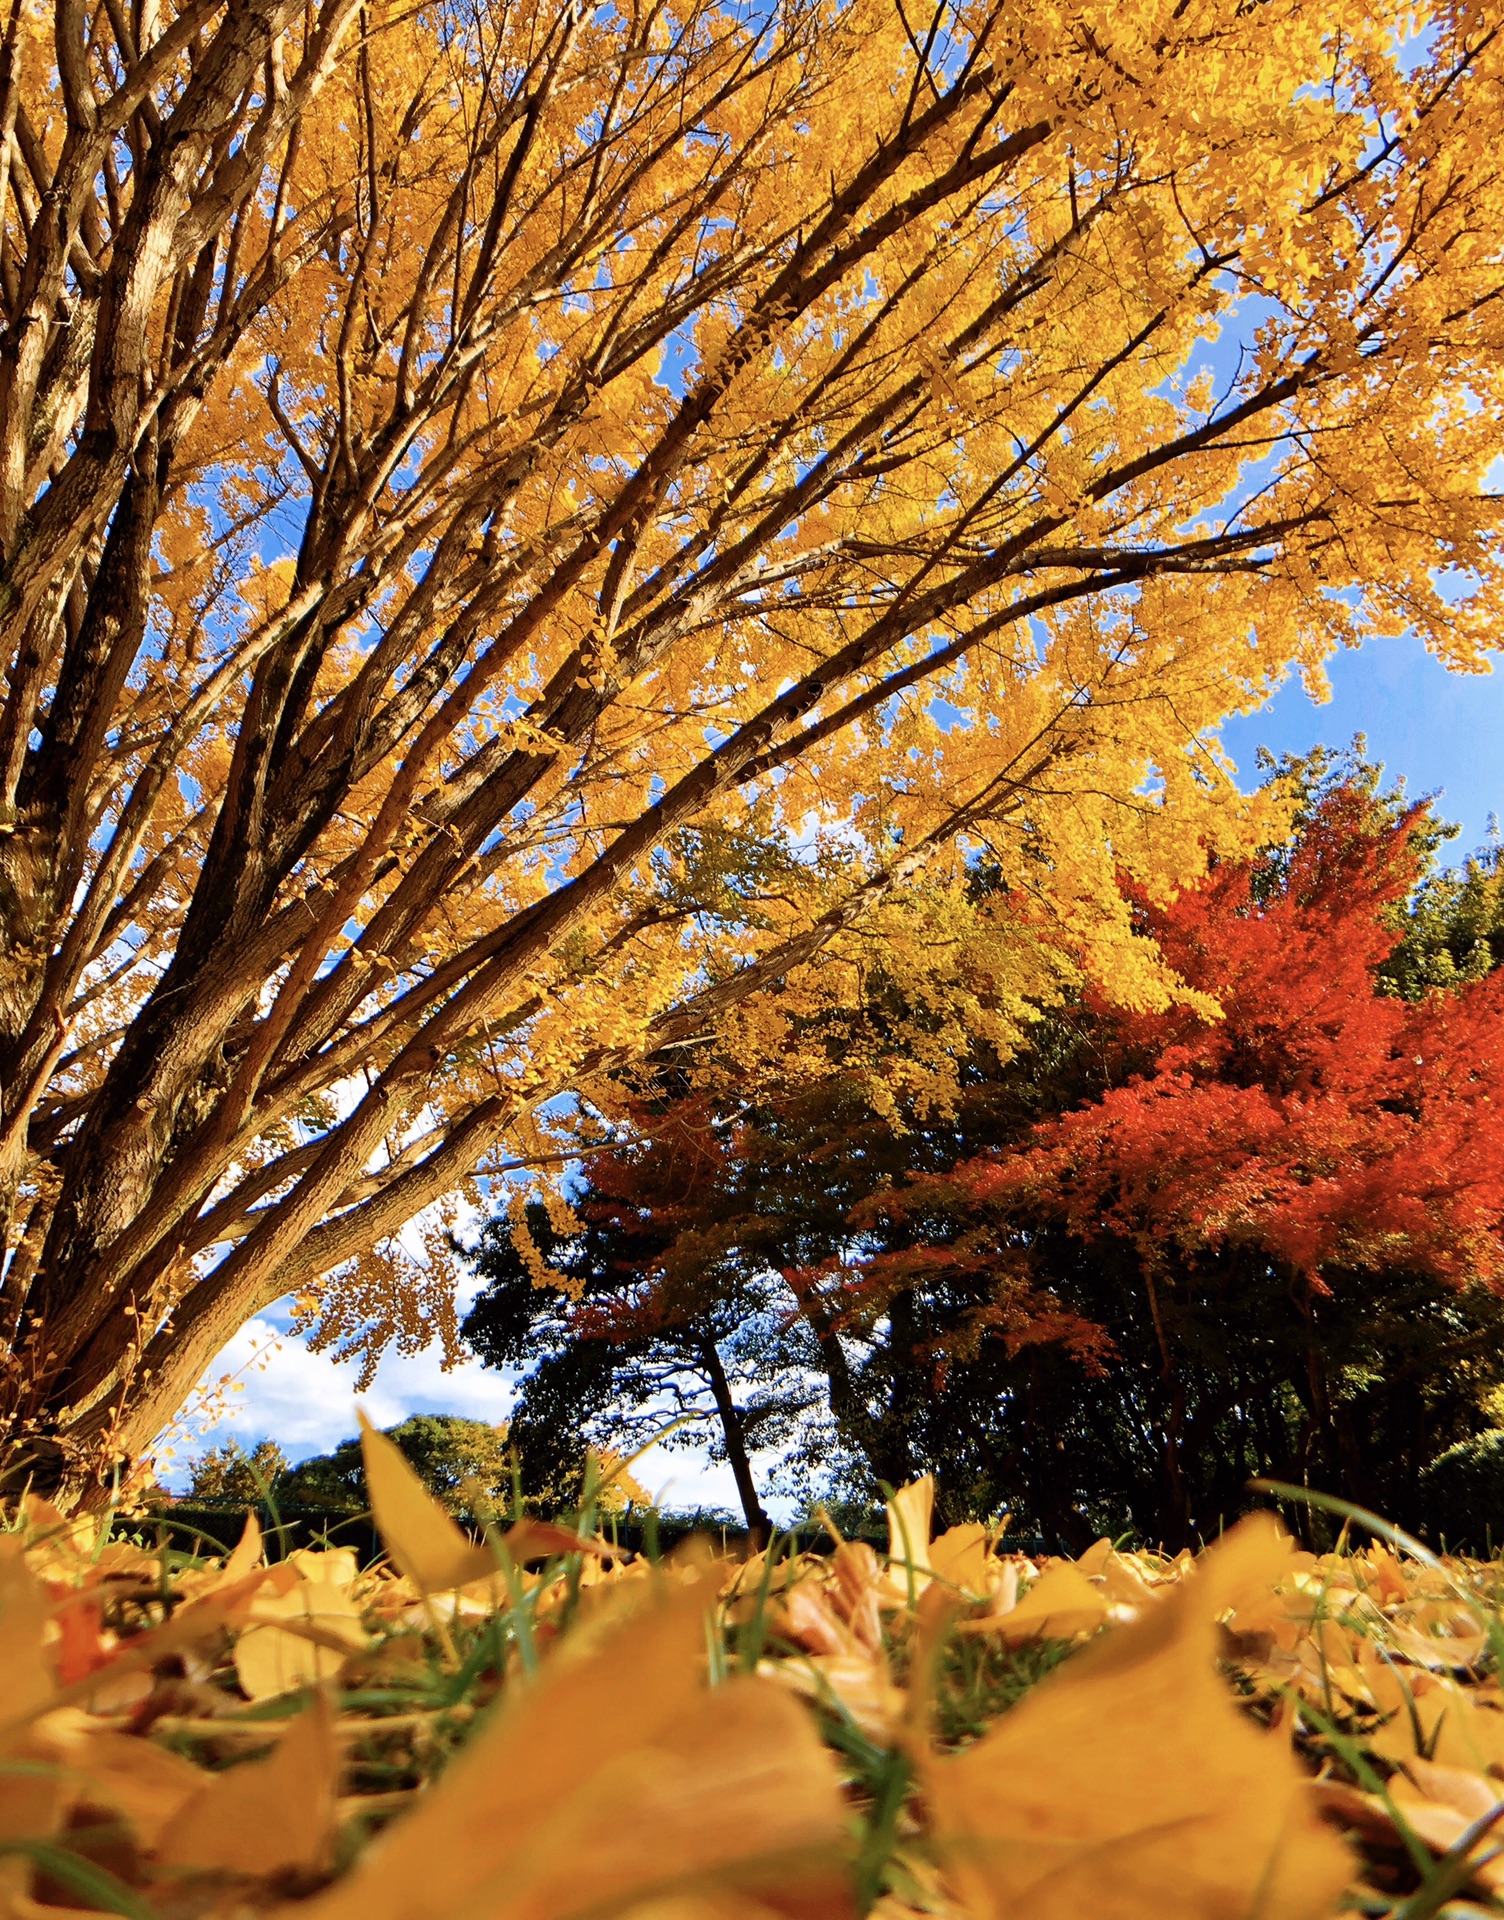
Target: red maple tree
pixel 1322 1118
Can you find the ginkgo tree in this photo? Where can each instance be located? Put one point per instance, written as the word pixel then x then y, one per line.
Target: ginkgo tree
pixel 464 468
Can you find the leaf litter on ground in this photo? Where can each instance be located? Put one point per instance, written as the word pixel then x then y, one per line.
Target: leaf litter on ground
pixel 540 1726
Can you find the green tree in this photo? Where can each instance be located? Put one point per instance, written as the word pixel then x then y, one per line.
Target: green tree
pixel 465 1464
pixel 226 1475
pixel 644 1325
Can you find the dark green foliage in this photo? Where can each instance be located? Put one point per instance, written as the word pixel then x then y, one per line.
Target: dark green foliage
pixel 1463 1492
pixel 632 1344
pixel 1454 930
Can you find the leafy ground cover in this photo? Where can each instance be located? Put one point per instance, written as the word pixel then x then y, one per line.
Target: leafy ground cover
pixel 541 1727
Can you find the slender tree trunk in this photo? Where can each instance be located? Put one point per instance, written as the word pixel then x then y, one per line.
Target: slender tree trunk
pixel 1175 1524
pixel 759 1526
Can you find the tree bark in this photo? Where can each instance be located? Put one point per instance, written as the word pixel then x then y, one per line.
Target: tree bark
pixel 733 1433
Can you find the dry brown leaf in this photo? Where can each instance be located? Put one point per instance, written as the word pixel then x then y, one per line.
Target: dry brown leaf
pixel 423 1541
pixel 1128 1786
pixel 266 1816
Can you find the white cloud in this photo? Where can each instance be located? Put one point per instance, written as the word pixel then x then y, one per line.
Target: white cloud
pixel 306 1401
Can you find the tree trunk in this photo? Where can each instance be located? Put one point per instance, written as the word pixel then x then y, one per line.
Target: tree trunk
pixel 759 1526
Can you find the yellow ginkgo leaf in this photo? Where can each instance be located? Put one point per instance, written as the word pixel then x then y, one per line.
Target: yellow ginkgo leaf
pixel 1128 1785
pixel 1061 1603
pixel 423 1541
pixel 266 1816
pixel 1433 1719
pixel 248 1553
pixel 338 1566
pixel 619 1771
pixel 118 1775
pixel 31 1801
pixel 297 1638
pixel 959 1557
pixel 26 1684
pixel 910 1512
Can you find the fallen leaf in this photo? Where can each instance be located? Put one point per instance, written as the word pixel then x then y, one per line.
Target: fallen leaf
pixel 856 1584
pixel 423 1541
pixel 118 1774
pixel 337 1567
pixel 619 1772
pixel 1431 1717
pixel 265 1816
pixel 1061 1603
pixel 542 1539
pixel 297 1639
pixel 26 1684
pixel 1438 1806
pixel 959 1557
pixel 1121 1580
pixel 856 1683
pixel 1128 1785
pixel 248 1553
pixel 910 1512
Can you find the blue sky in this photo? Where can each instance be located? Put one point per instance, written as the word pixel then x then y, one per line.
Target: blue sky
pixel 1443 732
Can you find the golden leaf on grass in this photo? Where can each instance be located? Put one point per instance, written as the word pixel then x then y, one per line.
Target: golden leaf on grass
pixel 1440 1804
pixel 857 1684
pixel 1434 1719
pixel 297 1638
pixel 705 1906
pixel 423 1541
pixel 31 1802
pixel 1061 1603
pixel 1439 1634
pixel 338 1566
pixel 1129 1786
pixel 60 1545
pixel 855 1587
pixel 25 1681
pixel 807 1617
pixel 265 1816
pixel 117 1774
pixel 1121 1579
pixel 248 1552
pixel 959 1557
pixel 910 1513
pixel 618 1773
